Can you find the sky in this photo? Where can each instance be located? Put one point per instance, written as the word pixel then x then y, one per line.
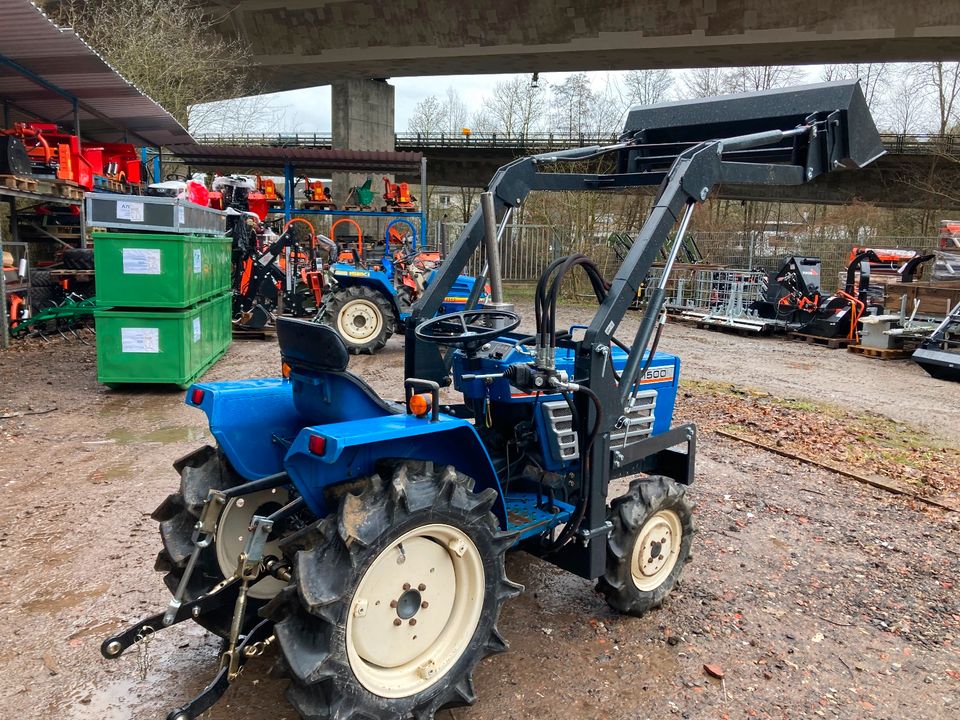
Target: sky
pixel 308 110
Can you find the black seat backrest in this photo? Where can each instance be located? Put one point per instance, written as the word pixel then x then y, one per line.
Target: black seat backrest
pixel 311 345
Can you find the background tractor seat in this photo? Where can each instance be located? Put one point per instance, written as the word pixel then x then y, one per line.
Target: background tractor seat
pixel 323 390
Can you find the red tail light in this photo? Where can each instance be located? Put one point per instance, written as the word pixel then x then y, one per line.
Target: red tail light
pixel 196 397
pixel 317 444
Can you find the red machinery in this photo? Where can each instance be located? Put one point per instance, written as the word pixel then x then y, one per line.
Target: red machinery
pixel 398 197
pixel 55 152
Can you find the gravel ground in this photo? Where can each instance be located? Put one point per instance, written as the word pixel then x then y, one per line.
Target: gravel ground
pixel 817 596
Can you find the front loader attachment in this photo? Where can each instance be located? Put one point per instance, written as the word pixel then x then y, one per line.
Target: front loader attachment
pixel 669 128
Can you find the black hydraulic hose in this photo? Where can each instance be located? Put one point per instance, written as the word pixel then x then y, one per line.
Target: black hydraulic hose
pixel 653 351
pixel 573 525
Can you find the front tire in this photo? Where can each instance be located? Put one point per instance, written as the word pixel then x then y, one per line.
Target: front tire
pixel 361 316
pixel 396 599
pixel 648 545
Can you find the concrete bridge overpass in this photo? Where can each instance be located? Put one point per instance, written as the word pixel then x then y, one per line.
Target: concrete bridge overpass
pixel 917 171
pixel 304 43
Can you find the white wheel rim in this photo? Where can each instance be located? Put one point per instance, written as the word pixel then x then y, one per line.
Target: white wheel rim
pixel 415 611
pixel 359 320
pixel 233 529
pixel 656 550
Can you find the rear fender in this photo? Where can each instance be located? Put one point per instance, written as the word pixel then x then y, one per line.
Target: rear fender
pixel 253 421
pixel 353 449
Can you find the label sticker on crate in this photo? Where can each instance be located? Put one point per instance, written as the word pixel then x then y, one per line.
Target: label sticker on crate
pixel 197 261
pixel 141 261
pixel 196 329
pixel 181 215
pixel 131 211
pixel 140 340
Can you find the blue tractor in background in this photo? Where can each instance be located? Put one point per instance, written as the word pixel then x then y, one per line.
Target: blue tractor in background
pixel 366 299
pixel 366 538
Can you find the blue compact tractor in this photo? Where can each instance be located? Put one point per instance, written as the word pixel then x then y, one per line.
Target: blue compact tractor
pixel 366 299
pixel 365 538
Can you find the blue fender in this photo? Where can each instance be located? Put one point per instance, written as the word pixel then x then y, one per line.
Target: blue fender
pixel 253 421
pixel 348 275
pixel 353 448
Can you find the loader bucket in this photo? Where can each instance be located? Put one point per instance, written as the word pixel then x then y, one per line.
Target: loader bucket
pixel 674 126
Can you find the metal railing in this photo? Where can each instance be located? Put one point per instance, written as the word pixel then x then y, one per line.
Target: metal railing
pixel 897 144
pixel 526 250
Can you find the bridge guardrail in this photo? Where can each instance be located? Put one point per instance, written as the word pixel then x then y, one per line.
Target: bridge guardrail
pixel 898 144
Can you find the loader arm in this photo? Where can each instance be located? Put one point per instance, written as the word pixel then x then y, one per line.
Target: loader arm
pixel 775 138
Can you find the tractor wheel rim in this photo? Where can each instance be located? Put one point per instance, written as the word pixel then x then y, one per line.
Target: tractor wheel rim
pixel 233 529
pixel 656 550
pixel 359 320
pixel 415 611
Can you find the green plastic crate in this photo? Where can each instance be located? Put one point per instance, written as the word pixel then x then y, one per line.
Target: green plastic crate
pixel 162 346
pixel 157 270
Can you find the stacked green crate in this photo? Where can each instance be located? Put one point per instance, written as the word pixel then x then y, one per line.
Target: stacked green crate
pixel 170 306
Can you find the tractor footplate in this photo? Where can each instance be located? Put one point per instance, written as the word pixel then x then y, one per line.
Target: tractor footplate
pixel 208 697
pixel 114 645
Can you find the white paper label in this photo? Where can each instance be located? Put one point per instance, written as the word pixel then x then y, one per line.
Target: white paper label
pixel 132 211
pixel 140 340
pixel 141 261
pixel 196 329
pixel 181 215
pixel 197 261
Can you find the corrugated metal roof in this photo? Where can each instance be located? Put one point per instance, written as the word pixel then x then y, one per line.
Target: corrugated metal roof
pixel 110 107
pixel 314 159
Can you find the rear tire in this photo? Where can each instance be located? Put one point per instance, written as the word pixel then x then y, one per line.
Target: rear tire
pixel 202 470
pixel 648 546
pixel 361 316
pixel 348 628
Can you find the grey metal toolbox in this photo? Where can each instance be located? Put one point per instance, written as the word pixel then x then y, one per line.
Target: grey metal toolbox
pixel 153 214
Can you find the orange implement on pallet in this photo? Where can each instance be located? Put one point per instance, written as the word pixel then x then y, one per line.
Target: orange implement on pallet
pixel 398 197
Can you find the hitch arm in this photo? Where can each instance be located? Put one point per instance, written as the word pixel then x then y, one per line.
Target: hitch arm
pixel 113 646
pixel 209 696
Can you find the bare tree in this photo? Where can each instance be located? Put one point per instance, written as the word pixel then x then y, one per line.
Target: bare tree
pixel 516 107
pixel 874 79
pixel 648 87
pixel 167 48
pixel 454 111
pixel 702 82
pixel 761 77
pixel 942 81
pixel 427 117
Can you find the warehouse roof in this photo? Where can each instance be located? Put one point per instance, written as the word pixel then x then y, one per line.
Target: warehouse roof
pixel 313 159
pixel 45 68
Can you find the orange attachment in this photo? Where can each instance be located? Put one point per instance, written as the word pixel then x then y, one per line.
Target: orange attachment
pixel 285 370
pixel 858 307
pixel 353 222
pixel 419 405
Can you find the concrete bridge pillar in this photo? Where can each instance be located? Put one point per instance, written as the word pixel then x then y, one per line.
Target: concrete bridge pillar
pixel 363 119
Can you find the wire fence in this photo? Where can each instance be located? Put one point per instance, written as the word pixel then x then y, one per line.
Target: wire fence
pixel 526 250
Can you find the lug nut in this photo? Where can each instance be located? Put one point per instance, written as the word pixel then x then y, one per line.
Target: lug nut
pixel 421 587
pixel 397 621
pixel 424 604
pixel 413 621
pixel 406 586
pixel 393 604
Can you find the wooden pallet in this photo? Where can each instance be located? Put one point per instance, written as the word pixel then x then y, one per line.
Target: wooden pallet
pixel 16 182
pixel 880 353
pixel 832 343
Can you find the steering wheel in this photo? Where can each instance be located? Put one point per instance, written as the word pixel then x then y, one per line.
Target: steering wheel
pixel 464 329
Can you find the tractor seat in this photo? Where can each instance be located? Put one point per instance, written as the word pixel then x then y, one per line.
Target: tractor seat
pixel 310 345
pixel 325 391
